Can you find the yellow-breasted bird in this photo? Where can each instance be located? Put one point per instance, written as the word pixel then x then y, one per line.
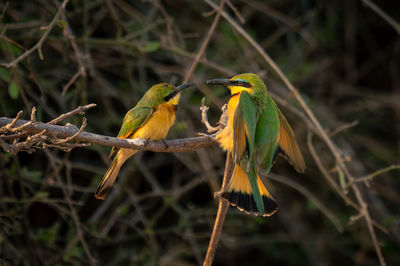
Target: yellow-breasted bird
pixel 150 119
pixel 256 131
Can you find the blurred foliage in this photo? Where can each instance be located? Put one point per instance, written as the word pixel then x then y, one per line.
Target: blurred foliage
pixel 341 55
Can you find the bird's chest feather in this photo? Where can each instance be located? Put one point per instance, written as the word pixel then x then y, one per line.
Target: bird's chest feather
pixel 158 124
pixel 225 137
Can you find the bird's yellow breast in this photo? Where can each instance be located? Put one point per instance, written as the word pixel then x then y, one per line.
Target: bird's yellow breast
pixel 225 137
pixel 158 124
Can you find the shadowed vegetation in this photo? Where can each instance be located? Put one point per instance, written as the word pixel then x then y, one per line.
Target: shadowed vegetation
pixel 343 57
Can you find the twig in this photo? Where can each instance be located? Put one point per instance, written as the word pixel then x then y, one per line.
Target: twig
pixel 204 118
pixel 38 45
pixel 332 217
pixel 205 42
pixel 382 14
pixel 222 210
pixel 84 123
pixel 343 127
pixel 374 174
pixel 12 123
pixel 6 147
pixel 329 142
pixel 291 23
pixel 72 80
pixel 78 110
pixel 235 10
pixel 78 54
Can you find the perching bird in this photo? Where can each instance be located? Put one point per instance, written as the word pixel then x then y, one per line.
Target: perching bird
pixel 256 131
pixel 150 119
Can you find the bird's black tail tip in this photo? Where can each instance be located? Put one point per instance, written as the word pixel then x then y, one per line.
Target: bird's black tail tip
pixel 245 202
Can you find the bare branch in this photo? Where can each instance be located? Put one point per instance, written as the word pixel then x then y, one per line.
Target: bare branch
pixel 383 14
pixel 374 174
pixel 222 210
pixel 205 42
pixel 204 118
pixel 178 145
pixel 78 110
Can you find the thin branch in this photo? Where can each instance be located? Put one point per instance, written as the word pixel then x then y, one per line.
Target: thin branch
pixel 78 110
pixel 38 45
pixel 222 210
pixel 204 118
pixel 84 123
pixel 343 127
pixel 331 216
pixel 374 174
pixel 383 14
pixel 205 43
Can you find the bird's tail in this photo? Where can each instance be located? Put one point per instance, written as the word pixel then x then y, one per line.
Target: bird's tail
pixel 108 180
pixel 240 194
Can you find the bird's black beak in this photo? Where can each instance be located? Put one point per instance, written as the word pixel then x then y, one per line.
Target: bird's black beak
pixel 179 89
pixel 184 86
pixel 224 82
pixel 228 82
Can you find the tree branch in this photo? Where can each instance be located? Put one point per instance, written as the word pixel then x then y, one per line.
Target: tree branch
pixel 68 131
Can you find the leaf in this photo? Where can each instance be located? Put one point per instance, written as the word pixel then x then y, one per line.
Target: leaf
pixel 4 75
pixel 62 23
pixel 13 91
pixel 152 47
pixel 41 195
pixel 48 235
pixel 77 251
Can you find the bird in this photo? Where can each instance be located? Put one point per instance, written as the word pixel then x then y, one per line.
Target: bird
pixel 255 132
pixel 150 119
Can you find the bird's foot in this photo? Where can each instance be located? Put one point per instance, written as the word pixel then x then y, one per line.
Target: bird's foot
pixel 165 144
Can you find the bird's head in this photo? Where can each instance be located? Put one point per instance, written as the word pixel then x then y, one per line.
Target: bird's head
pixel 164 93
pixel 249 82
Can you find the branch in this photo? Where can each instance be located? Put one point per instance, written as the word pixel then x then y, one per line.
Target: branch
pixel 383 14
pixel 222 210
pixel 69 131
pixel 374 174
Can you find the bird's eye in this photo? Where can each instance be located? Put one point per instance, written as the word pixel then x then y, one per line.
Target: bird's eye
pixel 170 95
pixel 241 83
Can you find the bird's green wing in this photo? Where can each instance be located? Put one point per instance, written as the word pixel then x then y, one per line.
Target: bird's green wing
pixel 133 119
pixel 267 132
pixel 288 144
pixel 245 121
pixel 244 125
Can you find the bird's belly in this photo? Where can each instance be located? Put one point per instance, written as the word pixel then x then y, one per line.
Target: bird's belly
pixel 225 137
pixel 158 124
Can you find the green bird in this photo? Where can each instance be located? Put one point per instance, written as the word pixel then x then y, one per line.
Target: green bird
pixel 150 119
pixel 256 131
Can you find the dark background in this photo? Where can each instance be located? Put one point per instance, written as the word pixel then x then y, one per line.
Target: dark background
pixel 342 56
